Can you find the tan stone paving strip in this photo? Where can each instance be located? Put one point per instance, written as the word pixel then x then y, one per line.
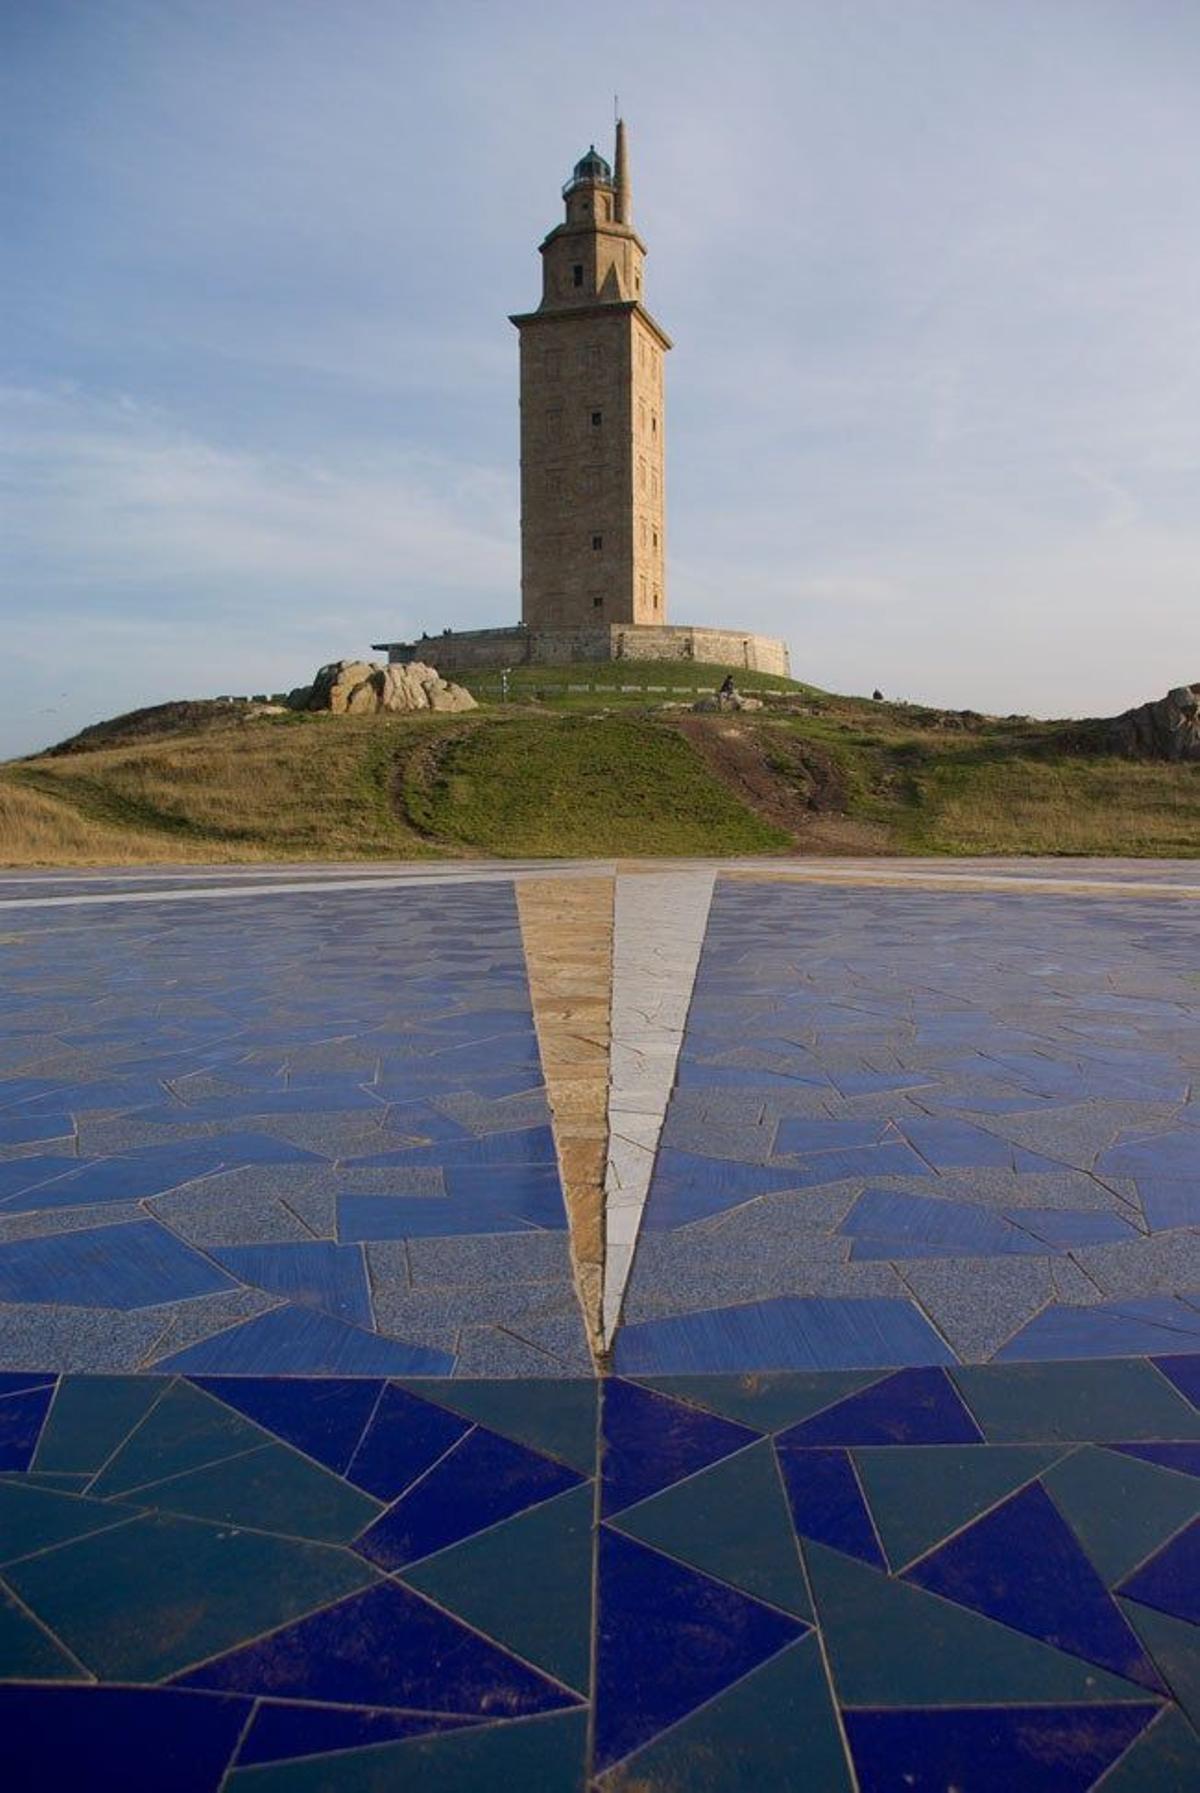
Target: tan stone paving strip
pixel 959 881
pixel 567 928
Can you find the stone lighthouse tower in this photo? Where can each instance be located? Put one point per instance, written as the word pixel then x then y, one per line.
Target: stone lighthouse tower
pixel 593 494
pixel 593 484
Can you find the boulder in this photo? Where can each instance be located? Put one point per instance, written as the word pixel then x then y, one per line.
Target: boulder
pixel 1168 729
pixel 726 703
pixel 364 688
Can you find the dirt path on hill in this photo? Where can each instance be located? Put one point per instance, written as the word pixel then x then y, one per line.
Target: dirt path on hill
pixel 789 783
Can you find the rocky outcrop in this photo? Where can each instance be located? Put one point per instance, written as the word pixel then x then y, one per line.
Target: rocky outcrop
pixel 726 703
pixel 1166 730
pixel 365 688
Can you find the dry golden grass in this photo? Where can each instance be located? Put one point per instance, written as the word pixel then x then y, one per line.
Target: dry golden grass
pixel 317 787
pixel 40 830
pixel 1109 807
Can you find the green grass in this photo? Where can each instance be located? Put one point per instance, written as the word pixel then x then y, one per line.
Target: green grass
pixel 572 786
pixel 600 773
pixel 618 683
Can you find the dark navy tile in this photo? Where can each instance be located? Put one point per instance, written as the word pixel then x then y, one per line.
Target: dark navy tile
pixel 143 1739
pixel 1021 1564
pixel 827 1502
pixel 1184 1372
pixel 405 1438
pixel 283 1733
pixel 385 1648
pixel 480 1481
pixel 650 1442
pixel 915 1406
pixel 1170 1581
pixel 668 1640
pixel 323 1417
pixel 991 1749
pixel 21 1418
pixel 1185 1458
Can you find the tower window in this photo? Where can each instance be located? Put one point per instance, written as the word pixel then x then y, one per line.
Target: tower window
pixel 597 542
pixel 656 538
pixel 577 274
pixel 597 419
pixel 653 424
pixel 597 601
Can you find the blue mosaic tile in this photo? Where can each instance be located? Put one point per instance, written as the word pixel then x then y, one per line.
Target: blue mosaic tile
pixel 1110 1329
pixel 366 1219
pixel 800 1135
pixel 15 1382
pixel 786 1333
pixel 1064 1228
pixel 133 1265
pixel 1170 1581
pixel 332 1278
pixel 481 1480
pixel 668 1640
pixel 955 1145
pixel 907 1225
pixel 1022 1564
pixel 296 1341
pixel 827 1502
pixel 1182 1456
pixel 29 1129
pixel 386 1647
pixel 1167 1155
pixel 992 1749
pixel 531 1145
pixel 1184 1372
pixel 283 1733
pixel 122 1179
pixel 1168 1203
pixel 651 1442
pixel 81 1737
pixel 21 1174
pixel 915 1406
pixel 21 1417
pixel 405 1438
pixel 323 1417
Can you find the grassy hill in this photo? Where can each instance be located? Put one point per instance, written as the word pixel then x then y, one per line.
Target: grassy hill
pixel 563 769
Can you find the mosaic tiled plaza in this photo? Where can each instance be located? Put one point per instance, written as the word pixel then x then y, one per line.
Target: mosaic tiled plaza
pixel 601 1327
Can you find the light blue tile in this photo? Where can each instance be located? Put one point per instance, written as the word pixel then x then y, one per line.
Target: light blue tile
pixel 135 1265
pixel 1107 1330
pixel 789 1333
pixel 296 1341
pixel 311 1274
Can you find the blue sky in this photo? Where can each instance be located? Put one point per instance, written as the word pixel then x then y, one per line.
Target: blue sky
pixel 932 270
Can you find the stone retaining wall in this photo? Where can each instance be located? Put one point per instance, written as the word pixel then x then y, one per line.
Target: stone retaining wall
pixel 464 650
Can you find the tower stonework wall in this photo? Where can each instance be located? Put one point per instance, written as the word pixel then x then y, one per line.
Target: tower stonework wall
pixel 593 466
pixel 593 462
